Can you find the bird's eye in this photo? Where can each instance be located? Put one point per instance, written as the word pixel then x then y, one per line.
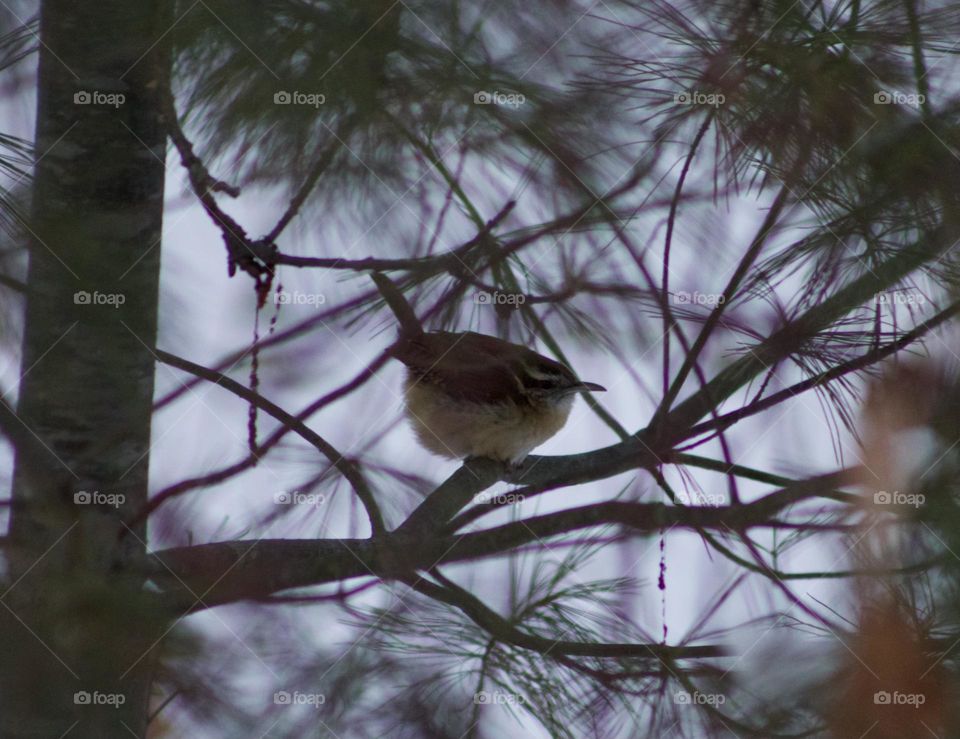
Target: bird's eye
pixel 540 384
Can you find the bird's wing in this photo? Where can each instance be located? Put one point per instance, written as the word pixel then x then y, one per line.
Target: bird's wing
pixel 468 366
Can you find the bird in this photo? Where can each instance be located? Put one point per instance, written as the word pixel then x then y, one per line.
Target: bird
pixel 471 395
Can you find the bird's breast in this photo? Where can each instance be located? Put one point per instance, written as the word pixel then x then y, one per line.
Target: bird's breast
pixel 457 429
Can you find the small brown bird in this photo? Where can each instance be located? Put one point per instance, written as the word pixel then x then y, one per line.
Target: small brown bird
pixel 470 395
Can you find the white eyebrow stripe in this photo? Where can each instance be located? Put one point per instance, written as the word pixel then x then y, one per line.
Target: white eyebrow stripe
pixel 538 374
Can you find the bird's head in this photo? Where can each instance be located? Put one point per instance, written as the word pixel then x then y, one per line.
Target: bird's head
pixel 545 380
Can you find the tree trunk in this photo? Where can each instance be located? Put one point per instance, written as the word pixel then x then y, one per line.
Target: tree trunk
pixel 75 630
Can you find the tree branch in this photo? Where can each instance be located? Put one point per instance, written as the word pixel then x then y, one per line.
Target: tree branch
pixel 224 572
pixel 504 631
pixel 345 466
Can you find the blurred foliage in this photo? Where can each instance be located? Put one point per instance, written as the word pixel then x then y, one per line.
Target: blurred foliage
pixel 386 72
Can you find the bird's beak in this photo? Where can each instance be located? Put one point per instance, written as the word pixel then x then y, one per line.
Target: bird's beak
pixel 590 386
